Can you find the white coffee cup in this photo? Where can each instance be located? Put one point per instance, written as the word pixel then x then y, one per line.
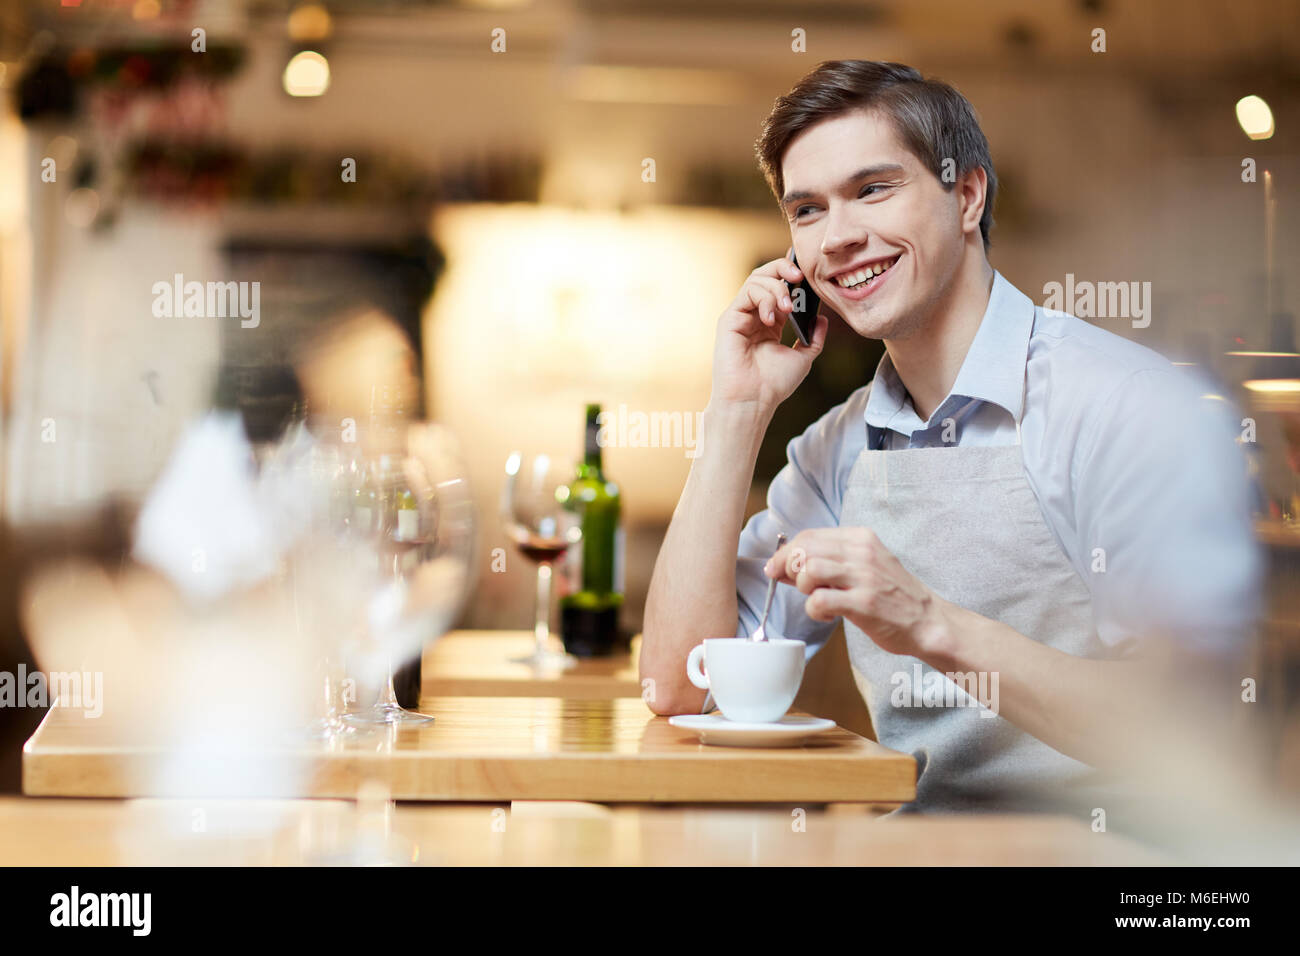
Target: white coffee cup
pixel 751 681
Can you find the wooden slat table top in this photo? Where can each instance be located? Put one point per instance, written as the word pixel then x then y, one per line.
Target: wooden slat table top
pixel 478 663
pixel 56 832
pixel 491 749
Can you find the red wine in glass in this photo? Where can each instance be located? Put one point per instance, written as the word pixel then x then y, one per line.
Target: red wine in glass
pixel 534 516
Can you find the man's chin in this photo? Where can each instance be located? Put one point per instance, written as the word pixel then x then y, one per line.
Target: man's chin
pixel 874 325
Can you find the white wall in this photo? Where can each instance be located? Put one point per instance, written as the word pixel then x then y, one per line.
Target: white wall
pixel 92 349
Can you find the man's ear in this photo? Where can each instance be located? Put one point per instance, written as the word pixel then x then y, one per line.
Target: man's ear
pixel 973 191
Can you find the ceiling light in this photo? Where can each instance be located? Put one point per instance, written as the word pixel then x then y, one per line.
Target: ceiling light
pixel 1255 117
pixel 308 74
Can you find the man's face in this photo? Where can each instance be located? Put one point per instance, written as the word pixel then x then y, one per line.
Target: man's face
pixel 856 197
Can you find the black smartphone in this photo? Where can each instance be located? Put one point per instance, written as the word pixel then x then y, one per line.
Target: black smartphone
pixel 806 306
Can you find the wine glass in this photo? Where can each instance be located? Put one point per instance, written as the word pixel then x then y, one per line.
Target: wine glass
pixel 326 589
pixel 295 476
pixel 413 541
pixel 536 519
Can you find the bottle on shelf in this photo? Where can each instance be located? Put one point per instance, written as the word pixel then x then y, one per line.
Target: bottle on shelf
pixel 593 572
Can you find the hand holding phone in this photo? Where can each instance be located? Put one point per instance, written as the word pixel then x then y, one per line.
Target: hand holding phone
pixel 751 365
pixel 806 305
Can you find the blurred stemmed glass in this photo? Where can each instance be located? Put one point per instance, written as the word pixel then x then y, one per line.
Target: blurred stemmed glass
pixel 302 481
pixel 536 519
pixel 413 538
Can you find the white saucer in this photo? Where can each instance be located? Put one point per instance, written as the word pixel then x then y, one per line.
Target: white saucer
pixel 790 731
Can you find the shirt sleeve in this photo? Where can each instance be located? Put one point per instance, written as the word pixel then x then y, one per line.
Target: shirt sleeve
pixel 804 494
pixel 1163 511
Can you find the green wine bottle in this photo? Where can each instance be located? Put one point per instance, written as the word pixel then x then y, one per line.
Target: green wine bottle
pixel 589 612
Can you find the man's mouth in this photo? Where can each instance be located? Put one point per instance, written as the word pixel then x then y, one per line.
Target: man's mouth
pixel 865 276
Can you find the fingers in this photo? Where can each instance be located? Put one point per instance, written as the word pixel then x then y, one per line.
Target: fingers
pixel 809 572
pixel 823 545
pixel 778 566
pixel 786 269
pixel 827 556
pixel 830 565
pixel 826 604
pixel 767 298
pixel 824 573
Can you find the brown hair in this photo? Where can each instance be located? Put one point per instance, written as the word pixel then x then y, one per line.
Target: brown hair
pixel 932 119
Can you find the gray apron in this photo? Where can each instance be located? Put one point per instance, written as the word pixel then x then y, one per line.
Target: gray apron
pixel 965 521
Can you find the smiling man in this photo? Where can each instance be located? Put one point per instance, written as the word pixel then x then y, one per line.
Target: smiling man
pixel 1016 495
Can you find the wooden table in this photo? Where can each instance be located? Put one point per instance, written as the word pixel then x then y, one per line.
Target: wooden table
pixel 479 664
pixel 478 748
pixel 176 832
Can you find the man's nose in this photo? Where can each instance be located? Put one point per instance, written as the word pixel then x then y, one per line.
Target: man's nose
pixel 842 232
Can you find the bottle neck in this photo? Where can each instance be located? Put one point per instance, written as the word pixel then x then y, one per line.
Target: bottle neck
pixel 591 462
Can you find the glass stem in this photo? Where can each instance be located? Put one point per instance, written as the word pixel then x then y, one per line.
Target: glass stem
pixel 542 625
pixel 331 709
pixel 388 696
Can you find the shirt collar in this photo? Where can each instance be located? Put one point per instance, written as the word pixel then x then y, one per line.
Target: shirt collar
pixel 994 367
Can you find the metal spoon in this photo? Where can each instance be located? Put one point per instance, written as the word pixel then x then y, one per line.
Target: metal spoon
pixel 760 634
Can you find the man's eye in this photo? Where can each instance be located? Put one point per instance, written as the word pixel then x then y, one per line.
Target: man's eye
pixel 867 190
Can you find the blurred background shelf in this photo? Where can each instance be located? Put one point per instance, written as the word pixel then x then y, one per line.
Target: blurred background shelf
pixel 1278 534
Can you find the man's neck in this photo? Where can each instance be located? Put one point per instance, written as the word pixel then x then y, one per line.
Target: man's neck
pixel 927 362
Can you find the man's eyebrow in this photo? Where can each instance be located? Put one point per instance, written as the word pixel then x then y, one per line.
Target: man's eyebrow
pixel 863 173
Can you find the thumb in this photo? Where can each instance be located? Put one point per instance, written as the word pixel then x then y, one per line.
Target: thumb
pixel 814 347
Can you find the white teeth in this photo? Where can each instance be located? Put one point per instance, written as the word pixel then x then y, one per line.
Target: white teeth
pixel 850 279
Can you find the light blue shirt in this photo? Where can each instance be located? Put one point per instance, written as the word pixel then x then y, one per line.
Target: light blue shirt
pixel 1133 460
